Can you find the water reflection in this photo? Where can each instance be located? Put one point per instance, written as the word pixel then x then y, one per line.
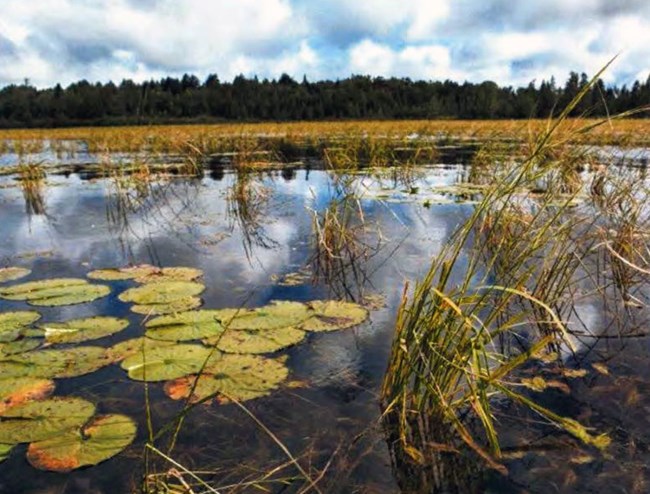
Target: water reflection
pixel 241 229
pixel 248 199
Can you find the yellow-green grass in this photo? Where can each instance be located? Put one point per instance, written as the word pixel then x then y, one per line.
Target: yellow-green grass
pixel 219 137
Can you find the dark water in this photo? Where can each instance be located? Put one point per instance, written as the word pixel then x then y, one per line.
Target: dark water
pixel 330 419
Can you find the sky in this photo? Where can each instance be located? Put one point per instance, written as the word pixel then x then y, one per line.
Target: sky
pixel 511 42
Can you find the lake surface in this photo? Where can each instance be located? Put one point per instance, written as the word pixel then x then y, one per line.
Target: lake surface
pixel 328 414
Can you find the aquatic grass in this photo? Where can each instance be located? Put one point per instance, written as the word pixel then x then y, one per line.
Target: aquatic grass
pixel 445 363
pixel 622 233
pixel 31 177
pixel 247 202
pixel 343 241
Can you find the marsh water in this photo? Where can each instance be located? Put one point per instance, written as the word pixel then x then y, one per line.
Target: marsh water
pixel 328 414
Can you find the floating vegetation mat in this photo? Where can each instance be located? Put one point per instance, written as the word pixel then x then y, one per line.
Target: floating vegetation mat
pixel 197 355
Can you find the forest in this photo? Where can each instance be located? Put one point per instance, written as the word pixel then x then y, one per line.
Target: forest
pixel 188 100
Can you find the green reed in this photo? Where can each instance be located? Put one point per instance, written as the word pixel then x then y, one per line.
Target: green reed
pixel 512 267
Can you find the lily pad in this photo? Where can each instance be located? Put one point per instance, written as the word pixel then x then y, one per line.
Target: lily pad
pixel 192 325
pixel 240 377
pixel 11 323
pixel 256 342
pixel 121 274
pixel 330 315
pixel 146 273
pixel 102 438
pixel 40 420
pixel 24 291
pixel 173 307
pixel 55 292
pixel 128 348
pixel 170 274
pixel 161 293
pixel 12 274
pixel 21 345
pixel 278 314
pixel 109 275
pixel 5 451
pixel 16 391
pixel 61 363
pixel 80 330
pixel 167 362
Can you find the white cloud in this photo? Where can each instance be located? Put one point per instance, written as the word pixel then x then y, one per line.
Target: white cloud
pixel 51 41
pixel 420 62
pixel 175 36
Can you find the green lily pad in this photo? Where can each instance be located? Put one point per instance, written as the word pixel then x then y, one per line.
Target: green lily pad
pixel 161 293
pixel 55 292
pixel 102 438
pixel 19 346
pixel 61 363
pixel 192 325
pixel 278 314
pixel 167 362
pixel 5 451
pixel 80 330
pixel 16 391
pixel 240 377
pixel 12 274
pixel 25 291
pixel 170 274
pixel 146 273
pixel 12 323
pixel 120 274
pixel 330 315
pixel 128 348
pixel 109 275
pixel 40 420
pixel 256 342
pixel 173 307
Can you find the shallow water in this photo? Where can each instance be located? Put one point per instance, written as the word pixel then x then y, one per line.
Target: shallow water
pixel 330 416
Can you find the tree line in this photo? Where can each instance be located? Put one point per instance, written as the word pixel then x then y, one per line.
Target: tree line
pixel 187 99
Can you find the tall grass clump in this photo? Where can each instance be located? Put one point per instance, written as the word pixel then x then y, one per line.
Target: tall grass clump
pixel 31 177
pixel 510 274
pixel 623 231
pixel 341 247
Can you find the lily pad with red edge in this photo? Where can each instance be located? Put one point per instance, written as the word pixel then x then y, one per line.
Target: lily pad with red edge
pixel 238 377
pixel 16 391
pixel 103 437
pixel 40 420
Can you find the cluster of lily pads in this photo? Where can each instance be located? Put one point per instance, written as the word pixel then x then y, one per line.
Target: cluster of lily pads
pixel 200 355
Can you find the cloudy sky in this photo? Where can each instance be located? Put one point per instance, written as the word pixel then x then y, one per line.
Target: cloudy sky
pixel 507 41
